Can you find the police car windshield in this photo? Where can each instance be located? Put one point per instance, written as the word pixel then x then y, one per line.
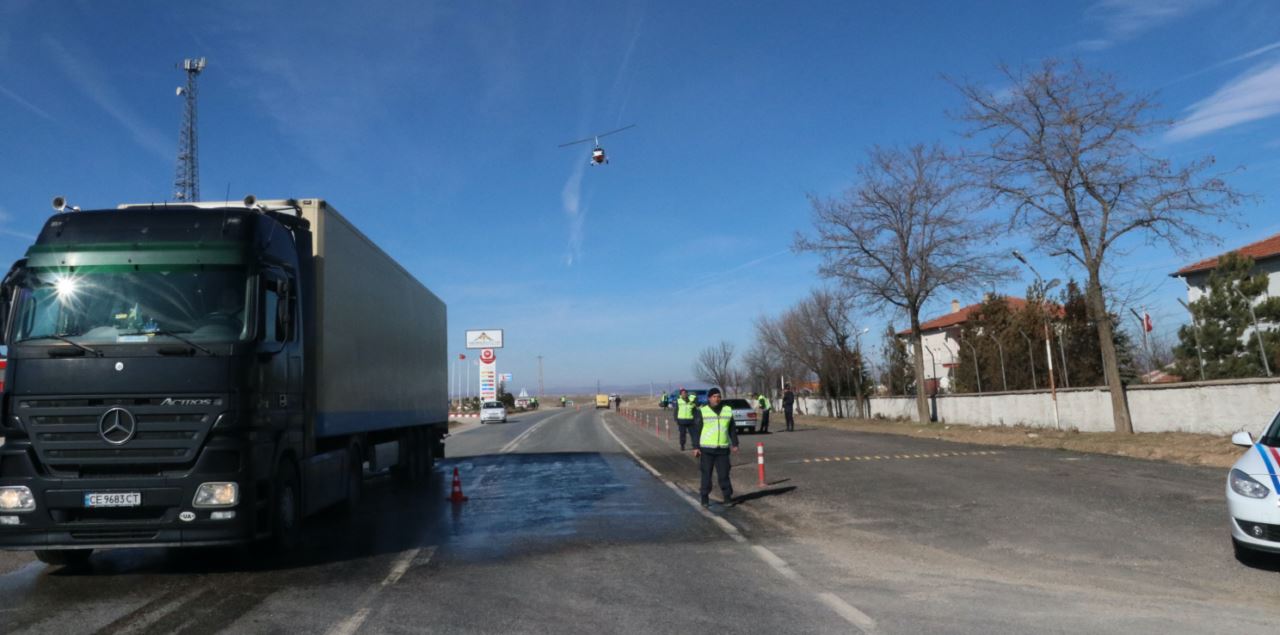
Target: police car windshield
pixel 1272 436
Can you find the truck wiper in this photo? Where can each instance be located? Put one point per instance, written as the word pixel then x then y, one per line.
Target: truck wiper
pixel 92 351
pixel 183 339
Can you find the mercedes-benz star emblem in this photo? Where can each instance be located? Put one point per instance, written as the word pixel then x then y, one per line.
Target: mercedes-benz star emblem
pixel 117 426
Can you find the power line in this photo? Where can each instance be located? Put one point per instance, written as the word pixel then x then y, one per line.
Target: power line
pixel 186 180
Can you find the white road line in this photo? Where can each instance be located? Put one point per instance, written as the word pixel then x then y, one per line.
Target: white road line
pixel 400 566
pixel 777 563
pixel 403 562
pixel 511 446
pixel 850 613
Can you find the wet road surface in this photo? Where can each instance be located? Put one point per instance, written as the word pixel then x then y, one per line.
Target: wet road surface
pixel 563 532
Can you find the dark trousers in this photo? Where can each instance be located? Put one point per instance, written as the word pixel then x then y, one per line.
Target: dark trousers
pixel 718 461
pixel 791 420
pixel 764 421
pixel 686 428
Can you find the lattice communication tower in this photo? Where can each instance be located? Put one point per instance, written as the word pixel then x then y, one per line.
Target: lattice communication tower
pixel 186 180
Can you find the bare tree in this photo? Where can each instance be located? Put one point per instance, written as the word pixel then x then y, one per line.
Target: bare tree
pixel 714 365
pixel 905 231
pixel 1063 147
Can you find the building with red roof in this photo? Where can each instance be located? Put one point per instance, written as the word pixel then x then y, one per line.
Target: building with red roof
pixel 940 338
pixel 1266 257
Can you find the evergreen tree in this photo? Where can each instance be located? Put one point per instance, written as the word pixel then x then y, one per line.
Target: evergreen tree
pixel 897 377
pixel 1227 339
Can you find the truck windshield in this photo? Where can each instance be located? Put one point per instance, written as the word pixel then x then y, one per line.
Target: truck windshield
pixel 205 304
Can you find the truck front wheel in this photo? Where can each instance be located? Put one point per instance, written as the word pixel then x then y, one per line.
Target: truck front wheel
pixel 64 557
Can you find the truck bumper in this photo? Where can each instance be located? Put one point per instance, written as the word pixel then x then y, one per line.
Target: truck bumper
pixel 166 516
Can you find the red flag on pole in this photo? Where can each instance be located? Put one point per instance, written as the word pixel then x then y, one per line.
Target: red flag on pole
pixel 1146 321
pixel 461 356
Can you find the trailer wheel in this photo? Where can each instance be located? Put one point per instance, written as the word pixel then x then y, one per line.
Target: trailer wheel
pixel 74 558
pixel 286 526
pixel 407 469
pixel 355 479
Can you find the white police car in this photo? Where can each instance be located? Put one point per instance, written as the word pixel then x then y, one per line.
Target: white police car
pixel 1253 494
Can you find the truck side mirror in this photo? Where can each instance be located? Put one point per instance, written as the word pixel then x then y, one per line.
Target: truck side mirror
pixel 7 288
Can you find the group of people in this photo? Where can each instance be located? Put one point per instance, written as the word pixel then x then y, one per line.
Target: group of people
pixel 714 437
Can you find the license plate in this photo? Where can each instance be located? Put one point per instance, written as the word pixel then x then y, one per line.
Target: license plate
pixel 113 499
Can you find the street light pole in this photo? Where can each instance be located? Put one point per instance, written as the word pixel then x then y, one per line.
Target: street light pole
pixel 1262 349
pixel 977 373
pixel 1048 348
pixel 1195 330
pixel 1031 357
pixel 1003 377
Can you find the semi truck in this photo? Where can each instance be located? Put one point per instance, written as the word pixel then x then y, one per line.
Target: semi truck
pixel 208 374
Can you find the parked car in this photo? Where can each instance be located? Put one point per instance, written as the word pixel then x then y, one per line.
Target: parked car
pixel 493 411
pixel 1253 494
pixel 744 414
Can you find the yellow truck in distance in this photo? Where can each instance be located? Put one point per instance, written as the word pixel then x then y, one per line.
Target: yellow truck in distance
pixel 602 401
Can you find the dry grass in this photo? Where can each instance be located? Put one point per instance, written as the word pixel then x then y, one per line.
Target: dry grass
pixel 1175 447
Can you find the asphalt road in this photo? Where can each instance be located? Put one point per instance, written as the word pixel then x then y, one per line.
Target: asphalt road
pixel 582 521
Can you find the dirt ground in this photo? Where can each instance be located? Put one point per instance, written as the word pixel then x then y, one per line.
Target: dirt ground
pixel 1175 447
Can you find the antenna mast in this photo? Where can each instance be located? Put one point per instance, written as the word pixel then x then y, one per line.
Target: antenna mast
pixel 186 180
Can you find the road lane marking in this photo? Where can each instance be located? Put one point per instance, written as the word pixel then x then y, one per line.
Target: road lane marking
pixel 850 613
pixel 511 446
pixel 770 558
pixel 892 457
pixel 407 560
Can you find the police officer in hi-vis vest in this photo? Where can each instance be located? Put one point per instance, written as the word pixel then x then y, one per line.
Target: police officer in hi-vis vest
pixel 714 438
pixel 685 405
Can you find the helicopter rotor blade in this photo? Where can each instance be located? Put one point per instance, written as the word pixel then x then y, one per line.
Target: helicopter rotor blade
pixel 574 143
pixel 615 131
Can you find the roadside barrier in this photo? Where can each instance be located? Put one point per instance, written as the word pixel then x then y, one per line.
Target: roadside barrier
pixel 456 496
pixel 760 460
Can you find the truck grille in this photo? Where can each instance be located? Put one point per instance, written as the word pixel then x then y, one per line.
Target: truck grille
pixel 66 436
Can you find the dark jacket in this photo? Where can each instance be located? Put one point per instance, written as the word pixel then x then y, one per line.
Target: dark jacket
pixel 788 400
pixel 697 430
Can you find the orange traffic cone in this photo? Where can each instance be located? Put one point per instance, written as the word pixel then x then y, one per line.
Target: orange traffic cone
pixel 456 496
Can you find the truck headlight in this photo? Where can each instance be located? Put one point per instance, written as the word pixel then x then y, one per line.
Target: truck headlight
pixel 17 498
pixel 217 495
pixel 1245 485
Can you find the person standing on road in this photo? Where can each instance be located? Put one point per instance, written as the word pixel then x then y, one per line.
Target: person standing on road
pixel 617 403
pixel 788 408
pixel 765 407
pixel 714 439
pixel 685 405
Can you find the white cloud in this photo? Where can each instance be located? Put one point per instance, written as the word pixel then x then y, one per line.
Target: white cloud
pixel 574 211
pixel 24 103
pixel 89 78
pixel 1126 19
pixel 1253 95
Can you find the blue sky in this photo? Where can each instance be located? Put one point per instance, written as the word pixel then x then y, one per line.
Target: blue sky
pixel 434 127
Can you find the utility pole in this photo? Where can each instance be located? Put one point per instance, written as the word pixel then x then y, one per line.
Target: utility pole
pixel 540 393
pixel 186 180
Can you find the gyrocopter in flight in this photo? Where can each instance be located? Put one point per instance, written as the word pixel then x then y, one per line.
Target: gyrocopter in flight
pixel 598 157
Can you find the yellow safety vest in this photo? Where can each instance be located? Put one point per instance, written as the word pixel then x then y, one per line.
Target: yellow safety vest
pixel 765 404
pixel 684 407
pixel 715 427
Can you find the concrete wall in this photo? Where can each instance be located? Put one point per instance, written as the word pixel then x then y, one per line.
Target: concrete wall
pixel 1212 407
